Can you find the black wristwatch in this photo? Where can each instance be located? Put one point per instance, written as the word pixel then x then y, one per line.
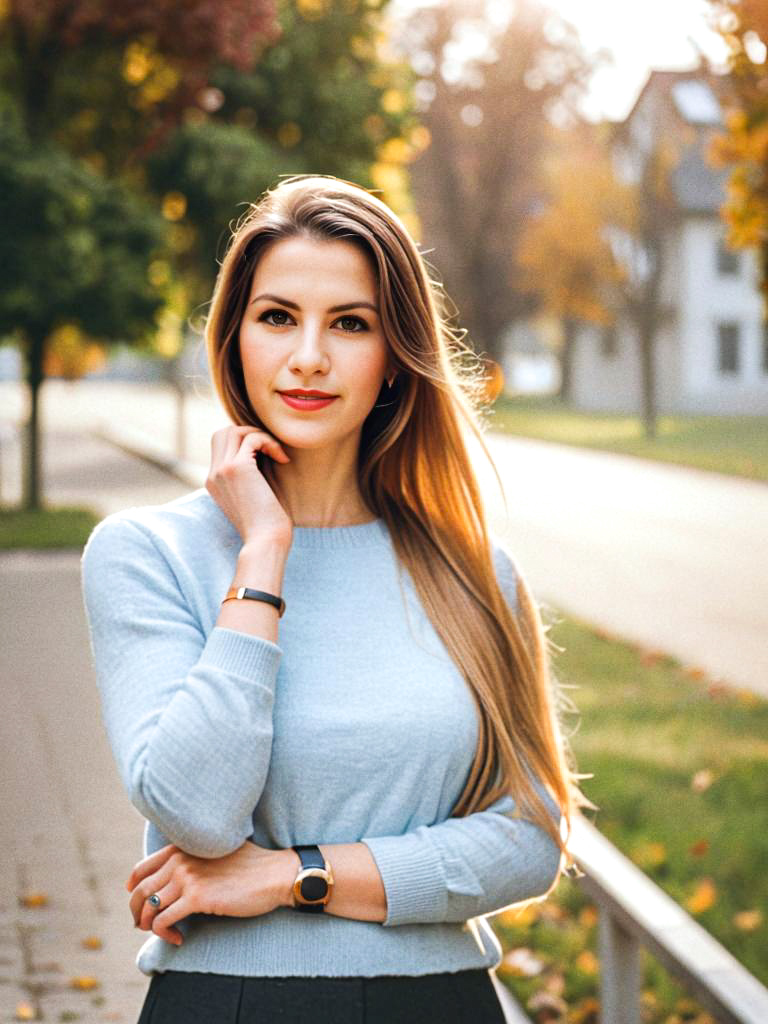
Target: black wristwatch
pixel 314 882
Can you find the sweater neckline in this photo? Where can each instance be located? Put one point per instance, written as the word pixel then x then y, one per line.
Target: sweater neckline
pixel 355 536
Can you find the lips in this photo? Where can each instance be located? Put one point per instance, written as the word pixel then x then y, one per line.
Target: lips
pixel 297 393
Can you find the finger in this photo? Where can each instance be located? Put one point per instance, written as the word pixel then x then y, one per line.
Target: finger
pixel 260 441
pixel 168 894
pixel 146 887
pixel 225 443
pixel 164 921
pixel 149 865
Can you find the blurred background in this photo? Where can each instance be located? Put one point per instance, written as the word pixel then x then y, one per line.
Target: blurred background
pixel 589 180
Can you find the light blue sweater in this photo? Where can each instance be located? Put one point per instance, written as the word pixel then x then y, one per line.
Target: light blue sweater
pixel 356 727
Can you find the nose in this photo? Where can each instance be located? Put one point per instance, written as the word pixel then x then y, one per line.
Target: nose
pixel 309 354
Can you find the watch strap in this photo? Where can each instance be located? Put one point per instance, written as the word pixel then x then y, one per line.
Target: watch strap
pixel 251 594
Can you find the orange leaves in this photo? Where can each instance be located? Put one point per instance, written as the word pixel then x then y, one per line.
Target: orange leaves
pixel 92 942
pixel 26 1011
pixel 34 898
pixel 84 982
pixel 649 854
pixel 703 897
pixel 699 848
pixel 748 920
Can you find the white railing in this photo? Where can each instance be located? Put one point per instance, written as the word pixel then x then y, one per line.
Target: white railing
pixel 635 913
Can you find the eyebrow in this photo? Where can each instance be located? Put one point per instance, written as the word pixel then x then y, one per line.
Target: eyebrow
pixel 332 309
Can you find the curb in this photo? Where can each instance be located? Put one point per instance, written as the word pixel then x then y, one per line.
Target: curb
pixel 140 445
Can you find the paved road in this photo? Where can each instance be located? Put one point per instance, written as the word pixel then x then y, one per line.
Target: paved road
pixel 670 558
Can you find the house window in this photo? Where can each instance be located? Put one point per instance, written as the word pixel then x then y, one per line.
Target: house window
pixel 728 338
pixel 608 341
pixel 728 260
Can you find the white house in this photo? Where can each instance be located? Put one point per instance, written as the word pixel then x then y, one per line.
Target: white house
pixel 712 353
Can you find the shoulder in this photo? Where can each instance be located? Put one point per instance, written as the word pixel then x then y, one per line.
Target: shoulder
pixel 507 570
pixel 169 529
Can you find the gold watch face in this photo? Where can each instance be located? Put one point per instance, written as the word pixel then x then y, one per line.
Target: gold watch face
pixel 313 885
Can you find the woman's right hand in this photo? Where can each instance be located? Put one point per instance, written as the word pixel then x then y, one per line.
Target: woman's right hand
pixel 240 489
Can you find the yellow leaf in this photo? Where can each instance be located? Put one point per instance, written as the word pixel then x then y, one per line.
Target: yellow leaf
pixel 84 982
pixel 34 898
pixel 25 1011
pixel 748 920
pixel 587 962
pixel 588 917
pixel 649 854
pixel 704 896
pixel 92 942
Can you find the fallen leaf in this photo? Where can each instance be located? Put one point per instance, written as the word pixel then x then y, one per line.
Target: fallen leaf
pixel 586 1012
pixel 704 896
pixel 588 917
pixel 84 982
pixel 519 917
pixel 699 848
pixel 34 898
pixel 650 656
pixel 702 780
pixel 587 962
pixel 26 1011
pixel 748 920
pixel 523 963
pixel 748 697
pixel 649 854
pixel 92 942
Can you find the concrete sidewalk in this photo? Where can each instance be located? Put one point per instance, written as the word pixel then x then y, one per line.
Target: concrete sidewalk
pixel 69 830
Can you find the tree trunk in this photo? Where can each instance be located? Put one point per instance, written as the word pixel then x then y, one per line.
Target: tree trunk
pixel 34 375
pixel 566 359
pixel 648 381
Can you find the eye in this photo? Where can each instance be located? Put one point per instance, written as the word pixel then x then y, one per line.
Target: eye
pixel 358 324
pixel 275 313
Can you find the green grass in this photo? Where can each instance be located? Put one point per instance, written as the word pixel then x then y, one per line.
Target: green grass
pixel 681 780
pixel 736 445
pixel 61 527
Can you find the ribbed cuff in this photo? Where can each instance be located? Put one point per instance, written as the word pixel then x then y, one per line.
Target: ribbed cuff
pixel 241 654
pixel 412 873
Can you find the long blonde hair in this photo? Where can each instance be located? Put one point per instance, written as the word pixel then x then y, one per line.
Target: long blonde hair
pixel 415 472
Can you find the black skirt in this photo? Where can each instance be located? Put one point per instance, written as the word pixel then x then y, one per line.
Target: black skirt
pixel 190 997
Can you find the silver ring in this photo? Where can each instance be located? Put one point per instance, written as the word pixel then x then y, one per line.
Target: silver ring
pixel 154 899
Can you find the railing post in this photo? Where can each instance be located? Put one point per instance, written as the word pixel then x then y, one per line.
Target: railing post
pixel 619 953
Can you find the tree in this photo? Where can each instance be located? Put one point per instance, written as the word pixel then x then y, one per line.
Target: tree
pixel 487 117
pixel 88 91
pixel 744 27
pixel 74 250
pixel 565 255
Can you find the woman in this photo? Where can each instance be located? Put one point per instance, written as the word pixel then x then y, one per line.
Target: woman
pixel 326 688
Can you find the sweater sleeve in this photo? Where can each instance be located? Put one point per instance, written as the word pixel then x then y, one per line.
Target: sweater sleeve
pixel 189 718
pixel 466 867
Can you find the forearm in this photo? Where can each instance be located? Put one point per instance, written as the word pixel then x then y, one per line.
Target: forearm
pixel 358 891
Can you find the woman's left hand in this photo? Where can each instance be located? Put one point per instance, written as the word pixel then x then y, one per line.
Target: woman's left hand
pixel 251 881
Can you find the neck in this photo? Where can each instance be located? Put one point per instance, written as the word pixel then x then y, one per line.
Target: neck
pixel 318 487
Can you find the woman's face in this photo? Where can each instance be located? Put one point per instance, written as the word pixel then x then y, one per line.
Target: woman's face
pixel 311 324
